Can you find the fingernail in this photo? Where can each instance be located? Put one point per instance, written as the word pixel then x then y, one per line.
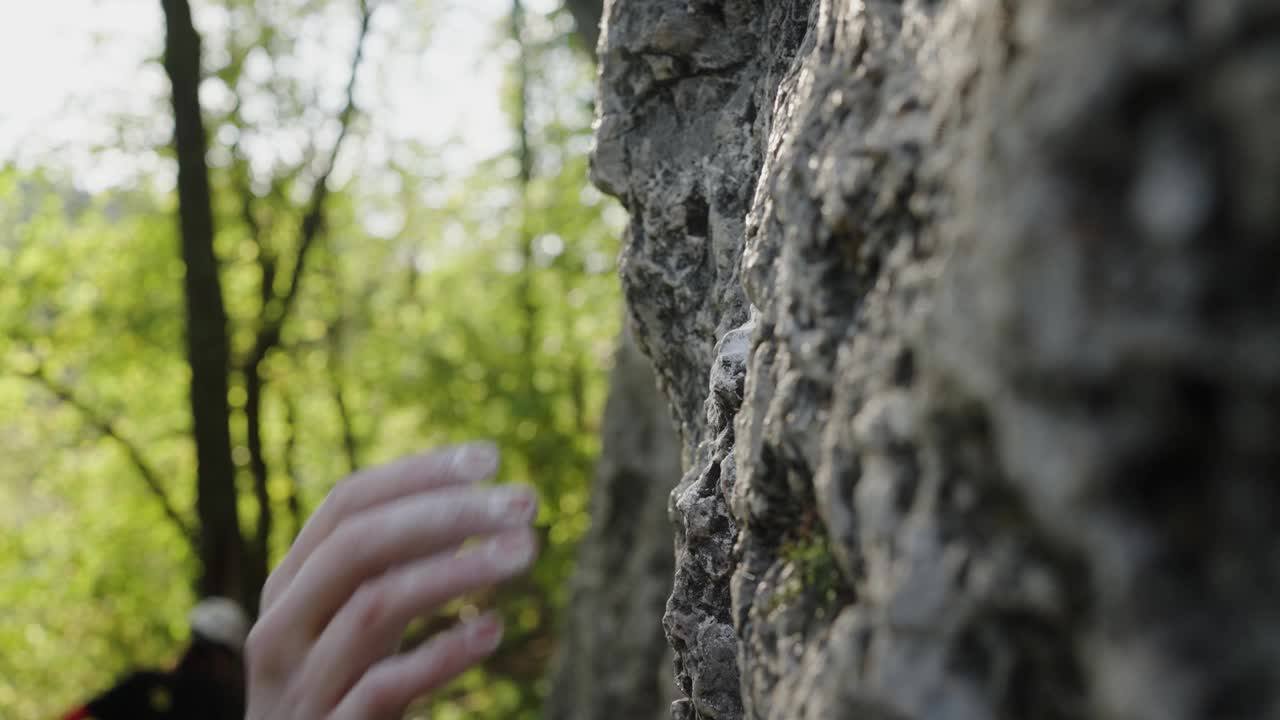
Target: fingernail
pixel 476 461
pixel 484 634
pixel 514 504
pixel 510 552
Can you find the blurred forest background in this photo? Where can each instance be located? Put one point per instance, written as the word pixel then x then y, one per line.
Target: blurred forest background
pixel 398 235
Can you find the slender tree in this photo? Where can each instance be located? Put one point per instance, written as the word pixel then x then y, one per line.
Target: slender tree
pixel 276 309
pixel 524 177
pixel 231 564
pixel 208 350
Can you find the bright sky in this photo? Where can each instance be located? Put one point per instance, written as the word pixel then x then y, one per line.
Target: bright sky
pixel 70 65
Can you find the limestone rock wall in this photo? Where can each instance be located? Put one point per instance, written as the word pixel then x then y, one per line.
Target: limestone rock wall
pixel 969 317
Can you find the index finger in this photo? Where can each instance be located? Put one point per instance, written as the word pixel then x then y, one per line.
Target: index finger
pixel 365 489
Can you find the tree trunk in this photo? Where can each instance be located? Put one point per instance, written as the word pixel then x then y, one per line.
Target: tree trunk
pixel 968 316
pixel 586 20
pixel 258 558
pixel 221 545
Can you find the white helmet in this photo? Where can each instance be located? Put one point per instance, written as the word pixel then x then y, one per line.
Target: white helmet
pixel 220 621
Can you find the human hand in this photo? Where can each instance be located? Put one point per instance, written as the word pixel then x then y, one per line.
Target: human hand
pixel 380 551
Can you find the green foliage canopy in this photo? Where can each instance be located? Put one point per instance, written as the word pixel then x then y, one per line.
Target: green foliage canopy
pixel 412 330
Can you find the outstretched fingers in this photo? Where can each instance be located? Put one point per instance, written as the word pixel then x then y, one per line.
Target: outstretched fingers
pixel 368 545
pixel 372 487
pixel 393 683
pixel 384 549
pixel 375 617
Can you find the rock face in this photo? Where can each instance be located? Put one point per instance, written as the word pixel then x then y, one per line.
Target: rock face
pixel 969 317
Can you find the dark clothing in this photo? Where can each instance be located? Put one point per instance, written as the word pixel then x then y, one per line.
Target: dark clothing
pixel 142 695
pixel 165 696
pixel 207 684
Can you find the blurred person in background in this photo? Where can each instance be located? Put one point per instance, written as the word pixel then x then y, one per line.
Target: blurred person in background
pixel 206 684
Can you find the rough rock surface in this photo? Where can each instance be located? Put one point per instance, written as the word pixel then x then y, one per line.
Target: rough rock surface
pixel 969 318
pixel 612 661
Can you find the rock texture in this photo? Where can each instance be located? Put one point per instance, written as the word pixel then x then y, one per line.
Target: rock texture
pixel 613 657
pixel 969 319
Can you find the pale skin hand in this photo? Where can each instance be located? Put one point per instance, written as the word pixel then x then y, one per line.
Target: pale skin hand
pixel 381 551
